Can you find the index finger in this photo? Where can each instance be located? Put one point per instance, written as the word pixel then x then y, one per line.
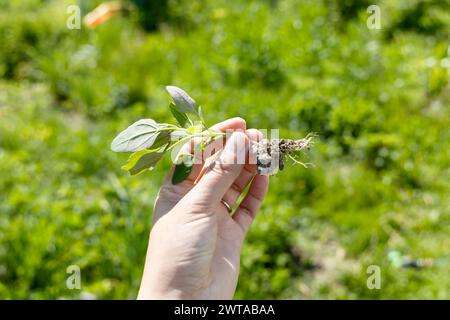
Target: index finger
pixel 236 123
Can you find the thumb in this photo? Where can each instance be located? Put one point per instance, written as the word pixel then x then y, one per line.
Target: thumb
pixel 224 170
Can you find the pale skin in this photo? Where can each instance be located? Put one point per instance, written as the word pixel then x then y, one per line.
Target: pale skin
pixel 195 244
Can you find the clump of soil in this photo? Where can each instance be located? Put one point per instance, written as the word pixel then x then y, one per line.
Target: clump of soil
pixel 270 154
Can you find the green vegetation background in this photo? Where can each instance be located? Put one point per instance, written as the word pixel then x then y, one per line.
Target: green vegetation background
pixel 379 192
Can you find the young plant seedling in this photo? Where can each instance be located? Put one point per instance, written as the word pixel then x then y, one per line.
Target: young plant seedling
pixel 149 141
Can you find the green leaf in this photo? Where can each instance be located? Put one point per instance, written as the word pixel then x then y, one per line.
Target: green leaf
pixel 183 168
pixel 181 117
pixel 178 134
pixel 143 160
pixel 162 139
pixel 182 100
pixel 140 135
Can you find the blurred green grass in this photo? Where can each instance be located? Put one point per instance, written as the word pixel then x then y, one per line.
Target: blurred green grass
pixel 378 98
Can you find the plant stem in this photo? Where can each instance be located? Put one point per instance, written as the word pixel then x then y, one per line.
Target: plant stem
pixel 178 142
pixel 201 134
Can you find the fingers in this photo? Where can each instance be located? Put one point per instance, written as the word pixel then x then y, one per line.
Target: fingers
pixel 234 124
pixel 249 207
pixel 246 175
pixel 229 124
pixel 224 171
pixel 254 135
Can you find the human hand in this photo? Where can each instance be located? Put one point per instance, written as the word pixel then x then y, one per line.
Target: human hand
pixel 195 243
